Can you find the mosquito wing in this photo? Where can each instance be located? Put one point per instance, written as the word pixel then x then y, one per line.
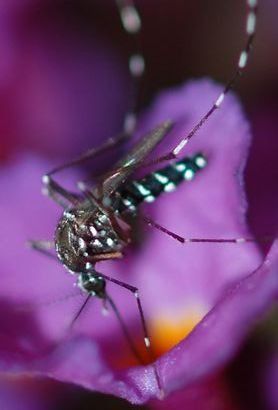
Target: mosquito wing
pixel 134 158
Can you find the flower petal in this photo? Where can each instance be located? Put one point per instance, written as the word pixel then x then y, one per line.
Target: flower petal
pixel 168 275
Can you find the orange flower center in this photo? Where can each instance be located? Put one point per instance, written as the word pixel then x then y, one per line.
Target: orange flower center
pixel 166 330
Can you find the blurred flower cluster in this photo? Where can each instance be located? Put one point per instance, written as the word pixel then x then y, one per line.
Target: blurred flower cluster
pixel 64 87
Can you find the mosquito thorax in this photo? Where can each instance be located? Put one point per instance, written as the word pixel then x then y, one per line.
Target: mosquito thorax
pixel 82 235
pixel 92 284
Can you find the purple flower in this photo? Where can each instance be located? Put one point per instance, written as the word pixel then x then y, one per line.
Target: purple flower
pixel 200 300
pixel 20 394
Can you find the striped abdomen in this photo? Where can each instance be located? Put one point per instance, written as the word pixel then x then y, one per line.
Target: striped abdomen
pixel 152 185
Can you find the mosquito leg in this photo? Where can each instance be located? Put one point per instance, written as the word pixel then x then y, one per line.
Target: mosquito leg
pixel 250 29
pixel 147 341
pixel 131 22
pixel 161 228
pixel 135 291
pixel 43 247
pixel 124 329
pixel 59 194
pixel 91 196
pixel 117 313
pixel 184 240
pixel 82 307
pixel 91 153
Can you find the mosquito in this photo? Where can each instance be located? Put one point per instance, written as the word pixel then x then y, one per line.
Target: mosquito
pixel 96 224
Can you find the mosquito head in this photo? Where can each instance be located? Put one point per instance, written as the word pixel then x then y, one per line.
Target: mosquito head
pixel 83 235
pixel 92 283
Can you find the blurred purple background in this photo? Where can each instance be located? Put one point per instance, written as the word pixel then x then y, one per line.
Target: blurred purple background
pixel 64 87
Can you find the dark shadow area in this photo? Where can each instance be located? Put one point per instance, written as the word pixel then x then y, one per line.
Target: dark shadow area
pixel 248 371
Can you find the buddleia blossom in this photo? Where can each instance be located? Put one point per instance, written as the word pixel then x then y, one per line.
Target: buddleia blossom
pixel 200 301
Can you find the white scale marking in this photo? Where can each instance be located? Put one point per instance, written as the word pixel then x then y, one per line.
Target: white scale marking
pixel 143 191
pixel 240 240
pixel 129 204
pixel 147 342
pixel 97 243
pixel 149 198
pixel 81 185
pixel 180 167
pixel 130 19
pixel 251 23
pixel 109 241
pixel 82 243
pixel 181 145
pixel 93 230
pixel 252 3
pixel 188 175
pixel 243 59
pixel 219 100
pixel 170 187
pixel 45 179
pixel 201 162
pixel 137 65
pixel 161 178
pixel 69 215
pixel 129 162
pixel 102 218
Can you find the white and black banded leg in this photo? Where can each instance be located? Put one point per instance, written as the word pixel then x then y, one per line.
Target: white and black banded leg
pixel 132 25
pixel 250 29
pixel 131 22
pixel 183 240
pixel 147 340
